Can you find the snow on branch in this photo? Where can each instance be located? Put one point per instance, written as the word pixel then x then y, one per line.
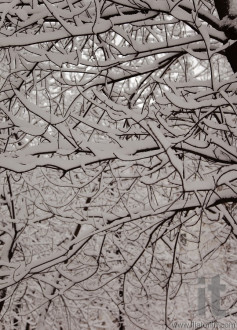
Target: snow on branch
pixel 118 176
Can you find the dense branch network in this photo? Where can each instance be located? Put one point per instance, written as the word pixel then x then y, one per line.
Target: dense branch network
pixel 118 158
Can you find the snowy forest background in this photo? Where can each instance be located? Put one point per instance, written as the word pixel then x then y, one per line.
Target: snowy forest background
pixel 118 162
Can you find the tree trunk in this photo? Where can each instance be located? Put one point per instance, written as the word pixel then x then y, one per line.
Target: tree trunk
pixel 223 9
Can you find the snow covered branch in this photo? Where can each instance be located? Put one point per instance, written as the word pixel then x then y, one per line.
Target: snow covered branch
pixel 118 161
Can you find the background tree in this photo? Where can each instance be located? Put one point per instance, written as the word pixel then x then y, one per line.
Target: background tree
pixel 118 161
